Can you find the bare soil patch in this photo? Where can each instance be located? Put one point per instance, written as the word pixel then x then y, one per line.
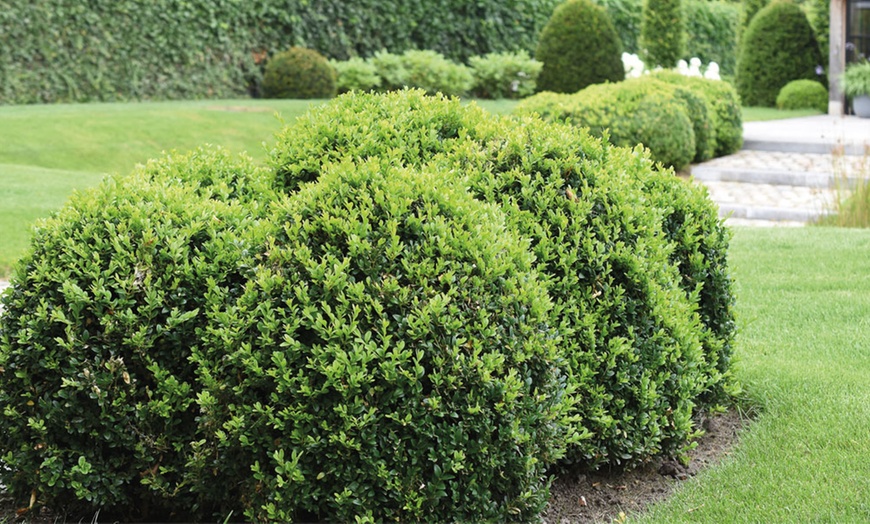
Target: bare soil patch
pixel 601 496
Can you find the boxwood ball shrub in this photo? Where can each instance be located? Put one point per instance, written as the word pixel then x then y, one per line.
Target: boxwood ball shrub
pixel 779 46
pixel 390 360
pixel 97 390
pixel 299 73
pixel 726 109
pixel 803 94
pixel 579 46
pixel 628 329
pixel 630 113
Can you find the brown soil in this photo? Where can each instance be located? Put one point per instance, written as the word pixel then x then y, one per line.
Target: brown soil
pixel 600 497
pixel 580 498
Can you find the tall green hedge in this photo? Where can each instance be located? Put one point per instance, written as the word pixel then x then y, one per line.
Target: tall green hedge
pixel 711 32
pixel 663 32
pixel 68 50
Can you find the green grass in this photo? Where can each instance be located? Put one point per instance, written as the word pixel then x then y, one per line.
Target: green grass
pixel 757 114
pixel 46 151
pixel 66 146
pixel 804 310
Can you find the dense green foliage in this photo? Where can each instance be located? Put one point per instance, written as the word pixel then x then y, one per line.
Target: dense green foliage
pixel 819 15
pixel 410 314
pixel 750 9
pixel 96 385
pixel 505 75
pixel 355 74
pixel 803 94
pixel 579 47
pixel 426 70
pixel 779 46
pixel 662 33
pixel 726 112
pixel 299 73
pixel 390 360
pixel 626 16
pixel 636 111
pixel 711 32
pixel 68 50
pixel 585 207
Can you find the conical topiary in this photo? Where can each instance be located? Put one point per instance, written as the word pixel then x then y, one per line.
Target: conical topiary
pixel 579 46
pixel 779 46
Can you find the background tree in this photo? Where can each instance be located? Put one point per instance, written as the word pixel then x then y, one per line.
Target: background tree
pixel 579 46
pixel 663 32
pixel 779 46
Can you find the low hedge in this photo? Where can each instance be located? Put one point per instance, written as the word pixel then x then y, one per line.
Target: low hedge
pixel 561 188
pixel 390 360
pixel 516 294
pixel 803 94
pixel 725 104
pixel 631 112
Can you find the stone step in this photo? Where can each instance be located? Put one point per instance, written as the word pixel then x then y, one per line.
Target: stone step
pixel 770 202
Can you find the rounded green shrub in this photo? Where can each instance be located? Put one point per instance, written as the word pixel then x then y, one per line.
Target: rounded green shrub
pixel 431 72
pixel 725 104
pixel 629 113
pixel 579 46
pixel 355 74
pixel 803 94
pixel 779 46
pixel 505 75
pixel 299 73
pixel 662 33
pixel 97 389
pixel 712 29
pixel 630 332
pixel 390 360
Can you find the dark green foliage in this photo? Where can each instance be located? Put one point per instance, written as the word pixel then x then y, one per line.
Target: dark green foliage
pixel 662 33
pixel 725 104
pixel 579 47
pixel 750 9
pixel 779 46
pixel 390 360
pixel 803 94
pixel 69 50
pixel 632 112
pixel 626 16
pixel 98 394
pixel 711 32
pixel 819 15
pixel 625 330
pixel 505 75
pixel 299 73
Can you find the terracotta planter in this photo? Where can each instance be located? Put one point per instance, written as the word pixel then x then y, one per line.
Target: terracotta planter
pixel 861 106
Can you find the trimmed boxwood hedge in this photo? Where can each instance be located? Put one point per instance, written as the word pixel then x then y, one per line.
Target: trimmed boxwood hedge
pixel 636 111
pixel 536 171
pixel 412 312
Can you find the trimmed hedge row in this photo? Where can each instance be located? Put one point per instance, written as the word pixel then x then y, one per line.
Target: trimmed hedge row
pixel 678 118
pixel 411 313
pixel 72 51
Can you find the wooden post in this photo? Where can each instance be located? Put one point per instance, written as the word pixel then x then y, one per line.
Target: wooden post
pixel 837 57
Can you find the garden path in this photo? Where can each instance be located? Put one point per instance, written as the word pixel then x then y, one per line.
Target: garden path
pixel 789 171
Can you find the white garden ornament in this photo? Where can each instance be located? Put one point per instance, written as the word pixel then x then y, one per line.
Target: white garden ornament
pixel 634 67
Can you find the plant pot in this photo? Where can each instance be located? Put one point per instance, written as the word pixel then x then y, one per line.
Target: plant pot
pixel 861 106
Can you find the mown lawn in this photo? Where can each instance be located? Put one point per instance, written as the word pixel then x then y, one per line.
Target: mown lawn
pixel 804 350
